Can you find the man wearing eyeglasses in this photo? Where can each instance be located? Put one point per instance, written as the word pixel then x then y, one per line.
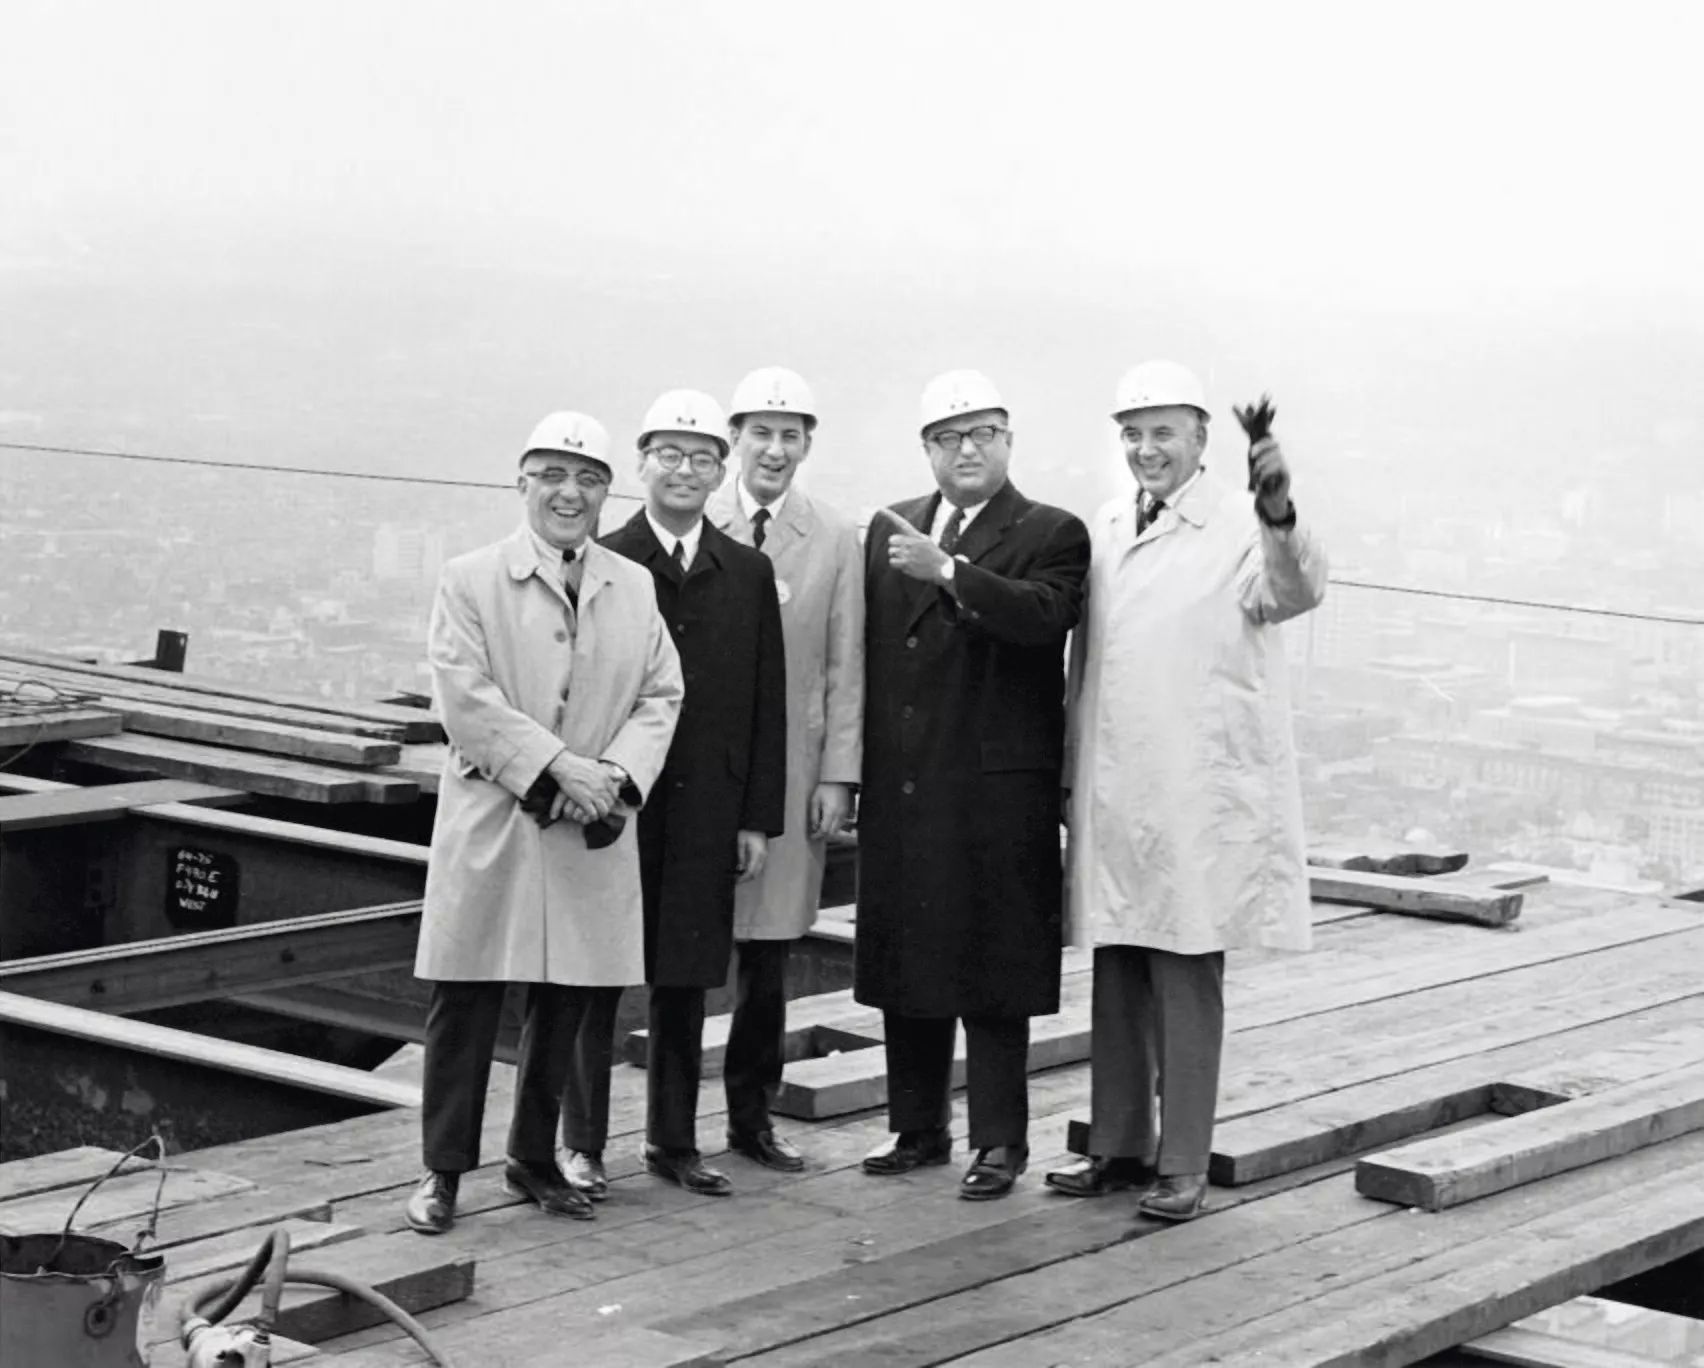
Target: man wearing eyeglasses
pixel 819 578
pixel 720 797
pixel 559 688
pixel 971 592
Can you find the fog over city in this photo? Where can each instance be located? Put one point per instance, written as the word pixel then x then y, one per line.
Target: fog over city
pixel 1459 243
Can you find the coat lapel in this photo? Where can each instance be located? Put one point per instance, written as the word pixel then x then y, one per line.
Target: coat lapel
pixel 984 534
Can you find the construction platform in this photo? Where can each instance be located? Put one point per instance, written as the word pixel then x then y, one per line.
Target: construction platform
pixel 1532 1091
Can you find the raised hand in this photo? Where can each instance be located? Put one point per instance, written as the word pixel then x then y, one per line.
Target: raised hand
pixel 912 553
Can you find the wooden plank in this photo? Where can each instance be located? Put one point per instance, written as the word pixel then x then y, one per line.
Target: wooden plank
pixel 1612 1326
pixel 1424 1305
pixel 104 802
pixel 417 724
pixel 65 1168
pixel 59 724
pixel 1387 1111
pixel 1291 1304
pixel 145 1037
pixel 1599 1070
pixel 1445 1172
pixel 1415 897
pixel 272 775
pixel 291 833
pixel 127 1198
pixel 136 976
pixel 418 1274
pixel 605 1346
pixel 114 694
pixel 223 1253
pixel 269 737
pixel 1386 857
pixel 1535 1349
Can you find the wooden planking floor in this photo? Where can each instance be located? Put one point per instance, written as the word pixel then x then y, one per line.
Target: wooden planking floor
pixel 830 1266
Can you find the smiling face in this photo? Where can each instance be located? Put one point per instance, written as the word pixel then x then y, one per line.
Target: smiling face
pixel 680 493
pixel 769 447
pixel 564 495
pixel 1163 446
pixel 975 471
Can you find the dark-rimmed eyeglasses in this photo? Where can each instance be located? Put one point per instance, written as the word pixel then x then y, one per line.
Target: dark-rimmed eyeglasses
pixel 952 439
pixel 671 458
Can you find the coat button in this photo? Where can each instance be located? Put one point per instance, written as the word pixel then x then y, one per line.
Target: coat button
pixel 907 712
pixel 561 635
pixel 908 787
pixel 911 643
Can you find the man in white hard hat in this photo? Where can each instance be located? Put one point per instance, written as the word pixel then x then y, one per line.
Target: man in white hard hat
pixel 972 591
pixel 1186 825
pixel 559 688
pixel 819 580
pixel 719 799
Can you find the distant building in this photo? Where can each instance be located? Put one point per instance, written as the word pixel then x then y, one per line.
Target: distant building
pixel 414 554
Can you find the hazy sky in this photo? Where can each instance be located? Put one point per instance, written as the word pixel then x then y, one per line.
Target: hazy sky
pixel 869 191
pixel 1392 149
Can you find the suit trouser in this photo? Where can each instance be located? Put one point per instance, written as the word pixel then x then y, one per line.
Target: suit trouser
pixel 462 1020
pixel 920 1066
pixel 585 1101
pixel 673 1068
pixel 751 1070
pixel 1158 1031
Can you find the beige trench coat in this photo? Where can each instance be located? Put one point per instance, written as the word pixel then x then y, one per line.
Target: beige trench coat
pixel 819 578
pixel 504 899
pixel 1186 809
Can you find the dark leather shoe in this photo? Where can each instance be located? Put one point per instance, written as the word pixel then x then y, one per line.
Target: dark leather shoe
pixel 545 1187
pixel 432 1208
pixel 1095 1177
pixel 993 1171
pixel 585 1171
pixel 910 1150
pixel 1175 1197
pixel 769 1149
pixel 688 1171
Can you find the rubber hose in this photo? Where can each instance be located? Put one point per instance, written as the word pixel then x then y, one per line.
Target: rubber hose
pixel 230 1297
pixel 274 1254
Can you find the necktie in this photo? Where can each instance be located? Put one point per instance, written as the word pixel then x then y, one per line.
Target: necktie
pixel 950 533
pixel 1145 515
pixel 679 556
pixel 759 527
pixel 571 571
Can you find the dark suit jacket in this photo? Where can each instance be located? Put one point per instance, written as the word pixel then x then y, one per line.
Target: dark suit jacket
pixel 727 766
pixel 959 877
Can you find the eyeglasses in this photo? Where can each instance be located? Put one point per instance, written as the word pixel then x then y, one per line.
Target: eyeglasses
pixel 952 439
pixel 670 458
pixel 554 477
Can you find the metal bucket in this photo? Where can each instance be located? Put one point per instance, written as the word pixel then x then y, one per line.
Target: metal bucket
pixel 78 1301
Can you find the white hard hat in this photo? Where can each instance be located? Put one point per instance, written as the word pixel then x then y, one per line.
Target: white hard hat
pixel 773 389
pixel 574 434
pixel 685 410
pixel 1159 384
pixel 960 391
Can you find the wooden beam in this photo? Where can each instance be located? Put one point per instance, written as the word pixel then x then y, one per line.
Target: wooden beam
pixel 104 802
pixel 166 1042
pixel 1448 1170
pixel 267 774
pixel 58 724
pixel 291 833
pixel 417 724
pixel 1413 897
pixel 270 738
pixel 114 692
pixel 139 976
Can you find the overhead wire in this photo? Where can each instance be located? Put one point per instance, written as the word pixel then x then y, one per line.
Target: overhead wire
pixel 1498 600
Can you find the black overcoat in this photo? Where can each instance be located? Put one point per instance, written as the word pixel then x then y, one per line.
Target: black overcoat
pixel 959 878
pixel 726 770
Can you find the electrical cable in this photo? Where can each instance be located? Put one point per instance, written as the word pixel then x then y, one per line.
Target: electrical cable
pixel 1627 614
